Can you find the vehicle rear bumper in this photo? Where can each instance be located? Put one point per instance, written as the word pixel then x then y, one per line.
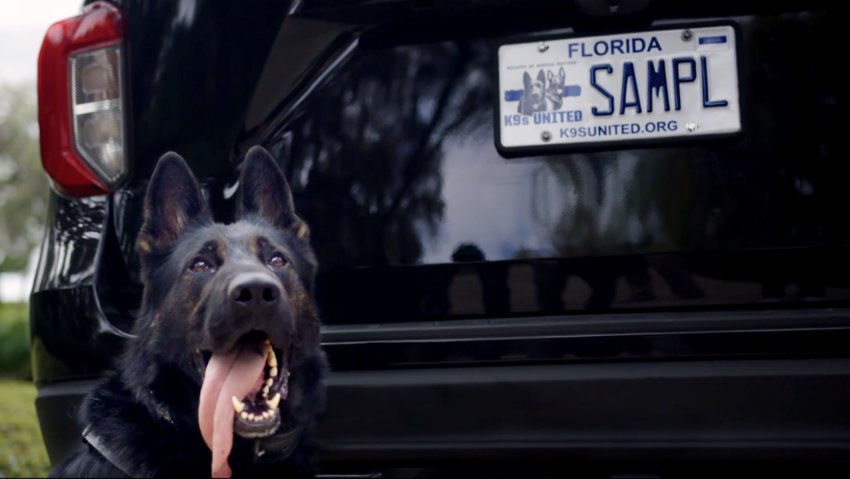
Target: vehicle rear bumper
pixel 57 405
pixel 651 411
pixel 699 409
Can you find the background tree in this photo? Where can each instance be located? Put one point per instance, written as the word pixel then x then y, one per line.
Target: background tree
pixel 23 184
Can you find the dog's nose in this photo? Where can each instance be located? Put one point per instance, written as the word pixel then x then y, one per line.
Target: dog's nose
pixel 253 290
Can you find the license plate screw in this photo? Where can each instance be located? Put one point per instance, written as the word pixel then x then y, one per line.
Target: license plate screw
pixel 542 47
pixel 545 136
pixel 691 126
pixel 687 35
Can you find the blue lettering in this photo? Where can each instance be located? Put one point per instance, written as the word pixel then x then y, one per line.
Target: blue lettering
pixel 706 103
pixel 629 80
pixel 617 46
pixel 542 118
pixel 654 45
pixel 657 82
pixel 621 46
pixel 516 120
pixel 609 69
pixel 604 49
pixel 678 79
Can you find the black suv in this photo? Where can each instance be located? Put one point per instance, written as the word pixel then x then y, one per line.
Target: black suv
pixel 556 237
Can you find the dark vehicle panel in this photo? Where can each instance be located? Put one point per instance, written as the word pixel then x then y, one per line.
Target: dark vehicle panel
pixel 717 273
pixel 395 164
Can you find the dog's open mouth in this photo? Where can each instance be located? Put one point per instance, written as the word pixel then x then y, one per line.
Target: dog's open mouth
pixel 241 393
pixel 257 413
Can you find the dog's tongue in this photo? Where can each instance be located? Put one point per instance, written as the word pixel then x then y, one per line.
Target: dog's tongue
pixel 227 375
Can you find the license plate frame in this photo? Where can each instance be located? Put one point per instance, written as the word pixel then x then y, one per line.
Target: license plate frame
pixel 718 42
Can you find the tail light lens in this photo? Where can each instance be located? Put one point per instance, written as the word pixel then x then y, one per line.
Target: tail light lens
pixel 81 102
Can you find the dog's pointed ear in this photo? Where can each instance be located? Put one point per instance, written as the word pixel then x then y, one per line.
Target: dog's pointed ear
pixel 526 80
pixel 263 191
pixel 541 77
pixel 173 201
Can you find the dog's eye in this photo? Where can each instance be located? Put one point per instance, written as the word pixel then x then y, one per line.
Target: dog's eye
pixel 277 261
pixel 199 265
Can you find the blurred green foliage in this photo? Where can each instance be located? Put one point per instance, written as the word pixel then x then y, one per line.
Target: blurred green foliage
pixel 23 184
pixel 22 452
pixel 23 205
pixel 14 341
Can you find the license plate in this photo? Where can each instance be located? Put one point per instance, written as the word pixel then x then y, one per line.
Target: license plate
pixel 618 90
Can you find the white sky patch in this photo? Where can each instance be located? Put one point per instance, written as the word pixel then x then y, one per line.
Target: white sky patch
pixel 15 287
pixel 22 28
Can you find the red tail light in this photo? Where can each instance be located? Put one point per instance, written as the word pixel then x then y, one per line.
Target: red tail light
pixel 81 102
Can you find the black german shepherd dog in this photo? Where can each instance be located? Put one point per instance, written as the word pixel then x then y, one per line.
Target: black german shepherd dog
pixel 224 374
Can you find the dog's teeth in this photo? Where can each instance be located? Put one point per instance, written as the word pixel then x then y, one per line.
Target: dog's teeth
pixel 238 405
pixel 243 415
pixel 273 371
pixel 269 382
pixel 272 359
pixel 273 402
pixel 266 390
pixel 252 417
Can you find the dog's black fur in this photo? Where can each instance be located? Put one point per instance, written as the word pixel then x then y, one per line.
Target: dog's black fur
pixel 146 412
